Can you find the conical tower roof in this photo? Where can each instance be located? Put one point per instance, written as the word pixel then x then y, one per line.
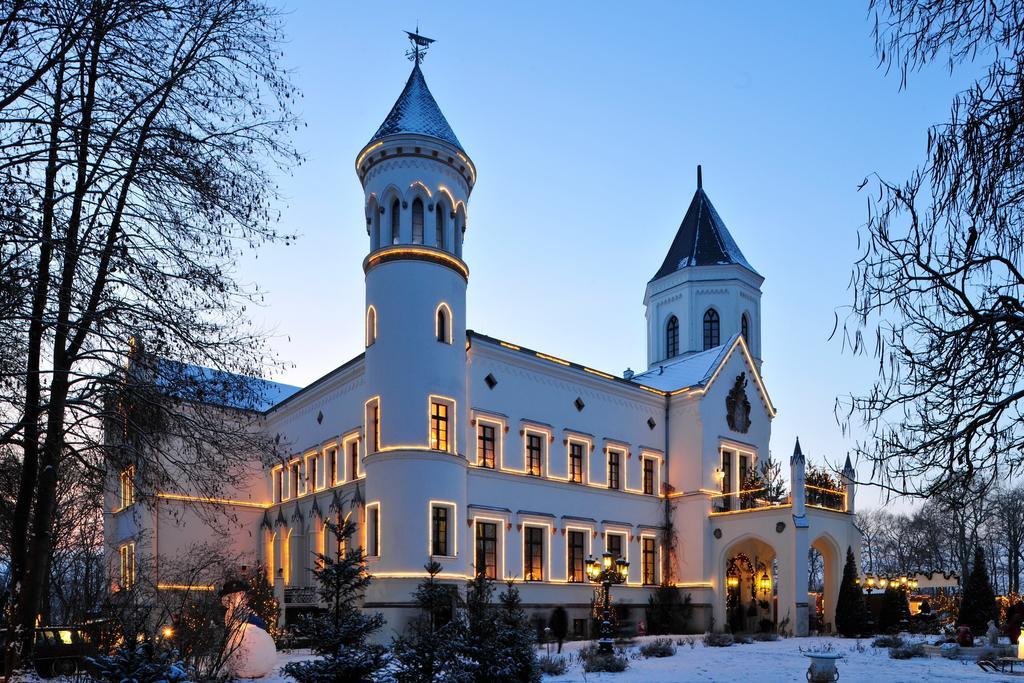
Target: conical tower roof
pixel 416 111
pixel 702 239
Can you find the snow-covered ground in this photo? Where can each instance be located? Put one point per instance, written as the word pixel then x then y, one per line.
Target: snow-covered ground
pixel 774 662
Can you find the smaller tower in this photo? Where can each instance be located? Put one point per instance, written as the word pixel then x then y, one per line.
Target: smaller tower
pixel 705 290
pixel 850 485
pixel 797 466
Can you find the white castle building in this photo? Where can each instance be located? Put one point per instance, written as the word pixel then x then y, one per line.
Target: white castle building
pixel 443 443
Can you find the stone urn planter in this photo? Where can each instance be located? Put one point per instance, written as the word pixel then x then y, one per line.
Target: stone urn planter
pixel 823 667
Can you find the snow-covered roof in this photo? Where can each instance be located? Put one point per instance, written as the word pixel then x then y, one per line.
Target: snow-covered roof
pixel 690 371
pixel 702 240
pixel 217 387
pixel 417 112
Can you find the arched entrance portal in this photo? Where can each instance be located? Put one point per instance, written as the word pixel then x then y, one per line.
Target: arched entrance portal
pixel 750 578
pixel 826 592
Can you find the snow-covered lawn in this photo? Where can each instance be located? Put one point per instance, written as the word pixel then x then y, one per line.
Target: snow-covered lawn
pixel 777 662
pixel 773 662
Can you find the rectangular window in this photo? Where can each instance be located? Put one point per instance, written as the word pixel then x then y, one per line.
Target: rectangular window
pixel 312 463
pixel 278 484
pixel 127 553
pixel 533 555
pixel 649 476
pixel 487 549
pixel 577 549
pixel 727 479
pixel 576 462
pixel 648 561
pixel 743 472
pixel 439 530
pixel 613 544
pixel 485 445
pixel 127 486
pixel 372 426
pixel 353 460
pixel 438 426
pixel 331 475
pixel 373 530
pixel 293 477
pixel 533 446
pixel 614 468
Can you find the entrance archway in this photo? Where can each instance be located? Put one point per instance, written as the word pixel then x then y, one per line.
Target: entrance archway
pixel 749 577
pixel 831 576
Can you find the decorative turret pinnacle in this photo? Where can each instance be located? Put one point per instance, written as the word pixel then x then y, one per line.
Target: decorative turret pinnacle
pixel 798 455
pixel 848 470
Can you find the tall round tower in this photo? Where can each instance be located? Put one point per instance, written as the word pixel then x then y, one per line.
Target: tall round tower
pixel 417 179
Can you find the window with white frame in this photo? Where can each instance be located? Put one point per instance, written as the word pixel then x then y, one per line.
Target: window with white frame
pixel 533 553
pixel 442 524
pixel 277 482
pixel 648 560
pixel 486 444
pixel 534 453
pixel 614 468
pixel 127 557
pixel 487 549
pixel 576 450
pixel 372 426
pixel 127 486
pixel 373 530
pixel 576 551
pixel 615 543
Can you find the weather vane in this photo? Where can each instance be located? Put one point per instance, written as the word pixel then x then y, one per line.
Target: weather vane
pixel 420 44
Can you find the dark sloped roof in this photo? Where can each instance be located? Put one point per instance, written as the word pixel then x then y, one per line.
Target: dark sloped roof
pixel 416 111
pixel 217 387
pixel 702 240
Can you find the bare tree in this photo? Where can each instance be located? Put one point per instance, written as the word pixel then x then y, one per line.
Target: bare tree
pixel 938 287
pixel 137 144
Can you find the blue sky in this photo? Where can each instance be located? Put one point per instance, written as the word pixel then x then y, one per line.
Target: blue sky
pixel 586 122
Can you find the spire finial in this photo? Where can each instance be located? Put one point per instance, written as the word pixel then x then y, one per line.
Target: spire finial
pixel 420 44
pixel 700 178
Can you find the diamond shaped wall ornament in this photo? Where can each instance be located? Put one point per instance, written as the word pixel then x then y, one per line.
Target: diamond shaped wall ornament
pixel 490 381
pixel 651 424
pixel 320 417
pixel 580 405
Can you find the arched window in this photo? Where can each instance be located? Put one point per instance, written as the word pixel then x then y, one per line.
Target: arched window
pixel 444 319
pixel 712 329
pixel 417 221
pixel 395 213
pixel 745 328
pixel 371 326
pixel 672 337
pixel 439 212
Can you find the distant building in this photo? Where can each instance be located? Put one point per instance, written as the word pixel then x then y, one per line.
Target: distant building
pixel 443 443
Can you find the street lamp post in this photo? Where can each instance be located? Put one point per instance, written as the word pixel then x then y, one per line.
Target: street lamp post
pixel 606 571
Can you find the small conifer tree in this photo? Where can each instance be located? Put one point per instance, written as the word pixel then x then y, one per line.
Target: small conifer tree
pixel 261 598
pixel 978 604
pixel 850 611
pixel 895 609
pixel 434 648
pixel 339 634
pixel 516 637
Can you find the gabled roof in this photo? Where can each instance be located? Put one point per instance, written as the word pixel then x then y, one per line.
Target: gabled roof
pixel 691 371
pixel 695 374
pixel 417 112
pixel 702 239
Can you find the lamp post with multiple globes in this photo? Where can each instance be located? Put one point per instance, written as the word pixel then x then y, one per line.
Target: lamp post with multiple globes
pixel 607 571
